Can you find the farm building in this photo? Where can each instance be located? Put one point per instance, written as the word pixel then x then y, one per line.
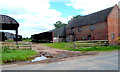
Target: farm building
pixel 42 37
pixel 8 23
pixel 101 25
pixel 59 34
pixel 9 36
pixel 56 35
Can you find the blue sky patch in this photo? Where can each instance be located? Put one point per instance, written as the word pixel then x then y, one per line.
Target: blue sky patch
pixel 65 10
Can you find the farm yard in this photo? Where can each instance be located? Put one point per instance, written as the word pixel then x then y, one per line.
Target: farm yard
pixel 49 53
pixel 52 51
pixel 57 39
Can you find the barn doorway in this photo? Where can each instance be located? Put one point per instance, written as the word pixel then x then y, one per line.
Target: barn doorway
pixel 89 37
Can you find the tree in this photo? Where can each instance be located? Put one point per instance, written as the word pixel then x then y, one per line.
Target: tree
pixel 59 24
pixel 74 17
pixel 77 16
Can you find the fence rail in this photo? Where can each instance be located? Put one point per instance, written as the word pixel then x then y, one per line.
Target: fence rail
pixel 90 43
pixel 19 47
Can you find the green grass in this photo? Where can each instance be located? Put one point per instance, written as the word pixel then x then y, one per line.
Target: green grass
pixel 27 40
pixel 69 46
pixel 9 55
pixel 0 58
pixel 99 48
pixel 9 41
pixel 24 40
pixel 62 45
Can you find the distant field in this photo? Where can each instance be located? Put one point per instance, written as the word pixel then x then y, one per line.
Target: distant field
pixel 70 46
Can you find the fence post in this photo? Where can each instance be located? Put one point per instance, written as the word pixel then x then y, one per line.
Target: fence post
pixel 17 46
pixel 30 46
pixel 74 45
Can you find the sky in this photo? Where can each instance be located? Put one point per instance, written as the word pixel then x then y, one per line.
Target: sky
pixel 36 16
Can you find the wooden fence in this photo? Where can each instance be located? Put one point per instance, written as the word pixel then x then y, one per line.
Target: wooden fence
pixel 90 43
pixel 19 46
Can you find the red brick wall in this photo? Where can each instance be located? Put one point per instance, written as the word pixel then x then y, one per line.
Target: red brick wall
pixel 119 25
pixel 99 32
pixel 113 26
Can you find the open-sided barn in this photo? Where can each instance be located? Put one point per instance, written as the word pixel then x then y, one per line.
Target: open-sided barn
pixel 8 23
pixel 42 37
pixel 56 35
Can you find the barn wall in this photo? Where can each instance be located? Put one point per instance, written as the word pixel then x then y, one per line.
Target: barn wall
pixel 56 39
pixel 99 32
pixel 114 26
pixel 119 25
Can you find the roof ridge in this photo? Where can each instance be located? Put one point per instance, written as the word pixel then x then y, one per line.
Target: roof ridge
pixel 92 18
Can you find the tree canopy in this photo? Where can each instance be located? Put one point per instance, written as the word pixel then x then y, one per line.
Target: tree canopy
pixel 59 24
pixel 77 16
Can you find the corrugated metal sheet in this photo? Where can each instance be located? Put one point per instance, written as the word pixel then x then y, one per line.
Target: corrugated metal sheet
pixel 8 23
pixel 4 19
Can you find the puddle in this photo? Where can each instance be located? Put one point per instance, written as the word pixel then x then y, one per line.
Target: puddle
pixel 38 59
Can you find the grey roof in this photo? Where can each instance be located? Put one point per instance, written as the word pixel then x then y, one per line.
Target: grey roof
pixel 59 32
pixel 62 31
pixel 8 23
pixel 4 19
pixel 94 18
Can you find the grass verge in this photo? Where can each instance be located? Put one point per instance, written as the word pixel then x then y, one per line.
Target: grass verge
pixel 69 46
pixel 12 55
pixel 62 45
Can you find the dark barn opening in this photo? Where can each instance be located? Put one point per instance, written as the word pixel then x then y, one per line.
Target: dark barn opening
pixel 89 37
pixel 46 37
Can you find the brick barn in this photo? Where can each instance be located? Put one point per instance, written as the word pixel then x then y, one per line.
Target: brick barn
pixel 101 25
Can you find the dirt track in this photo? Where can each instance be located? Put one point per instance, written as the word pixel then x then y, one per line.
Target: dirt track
pixel 55 55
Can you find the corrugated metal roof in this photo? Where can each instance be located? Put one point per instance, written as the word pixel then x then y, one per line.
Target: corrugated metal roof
pixel 8 23
pixel 4 19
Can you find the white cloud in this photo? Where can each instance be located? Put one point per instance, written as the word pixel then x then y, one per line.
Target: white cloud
pixel 36 15
pixel 91 6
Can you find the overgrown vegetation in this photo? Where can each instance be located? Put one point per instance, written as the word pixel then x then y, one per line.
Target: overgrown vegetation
pixel 70 46
pixel 12 55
